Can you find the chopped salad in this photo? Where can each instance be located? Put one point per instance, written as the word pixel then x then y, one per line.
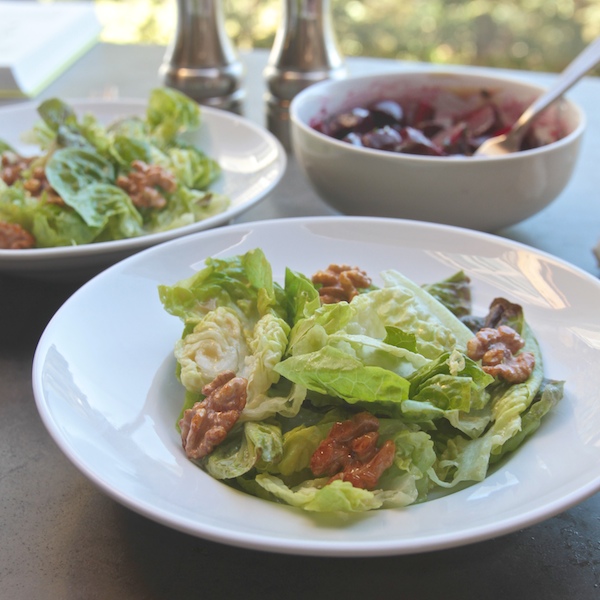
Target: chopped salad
pixel 94 183
pixel 330 393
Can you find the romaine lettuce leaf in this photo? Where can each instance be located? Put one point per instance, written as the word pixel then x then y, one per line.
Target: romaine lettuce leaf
pixel 335 373
pixel 242 283
pixel 468 459
pixel 315 496
pixel 451 382
pixel 216 344
pixel 256 445
pixel 454 293
pixel 302 296
pixel 126 149
pixel 546 399
pixel 192 167
pixel 299 444
pixel 60 128
pixel 376 353
pixel 84 181
pixel 226 340
pixel 410 308
pixel 267 346
pixel 184 207
pixel 169 114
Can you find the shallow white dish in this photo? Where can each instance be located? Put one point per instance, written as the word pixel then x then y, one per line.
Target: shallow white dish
pixel 104 383
pixel 252 161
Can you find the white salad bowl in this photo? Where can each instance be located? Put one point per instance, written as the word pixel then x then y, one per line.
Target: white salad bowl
pixel 114 416
pixel 475 192
pixel 252 163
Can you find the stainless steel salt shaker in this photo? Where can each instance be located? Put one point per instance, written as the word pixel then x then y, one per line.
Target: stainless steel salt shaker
pixel 304 52
pixel 201 60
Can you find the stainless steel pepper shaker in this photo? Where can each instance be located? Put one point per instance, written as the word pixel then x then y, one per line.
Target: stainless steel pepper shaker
pixel 201 60
pixel 304 52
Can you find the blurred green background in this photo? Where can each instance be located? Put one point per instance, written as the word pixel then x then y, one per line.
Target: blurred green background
pixel 521 34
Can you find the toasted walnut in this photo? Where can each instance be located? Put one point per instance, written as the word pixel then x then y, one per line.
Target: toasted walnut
pixel 366 474
pixel 498 350
pixel 350 453
pixel 11 167
pixel 15 237
pixel 38 184
pixel 207 423
pixel 340 282
pixel 142 182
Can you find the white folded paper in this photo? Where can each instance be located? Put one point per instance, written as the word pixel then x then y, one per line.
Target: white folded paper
pixel 39 41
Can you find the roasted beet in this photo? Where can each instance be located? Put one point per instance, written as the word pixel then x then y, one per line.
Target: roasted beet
pixel 384 138
pixel 386 112
pixel 357 120
pixel 414 127
pixel 414 142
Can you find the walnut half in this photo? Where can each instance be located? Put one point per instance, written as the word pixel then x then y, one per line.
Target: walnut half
pixel 12 166
pixel 207 423
pixel 350 452
pixel 340 283
pixel 15 237
pixel 144 182
pixel 498 349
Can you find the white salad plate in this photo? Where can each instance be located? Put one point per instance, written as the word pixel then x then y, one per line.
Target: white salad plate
pixel 251 158
pixel 105 386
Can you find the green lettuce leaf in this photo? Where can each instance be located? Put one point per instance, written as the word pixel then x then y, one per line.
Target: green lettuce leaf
pixel 550 393
pixel 451 382
pixel 241 283
pixel 84 181
pixel 216 344
pixel 169 114
pixel 468 459
pixel 410 308
pixel 257 445
pixel 61 128
pixel 184 207
pixel 376 353
pixel 335 373
pixel 299 444
pixel 302 296
pixel 313 495
pixel 192 167
pixel 125 149
pixel 454 293
pixel 267 346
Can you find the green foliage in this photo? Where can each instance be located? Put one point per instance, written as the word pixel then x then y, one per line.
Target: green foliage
pixel 520 34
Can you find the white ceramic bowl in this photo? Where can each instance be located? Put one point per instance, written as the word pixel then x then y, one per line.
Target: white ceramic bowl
pixel 478 193
pixel 114 417
pixel 252 164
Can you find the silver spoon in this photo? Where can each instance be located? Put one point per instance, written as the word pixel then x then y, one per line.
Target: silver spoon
pixel 511 141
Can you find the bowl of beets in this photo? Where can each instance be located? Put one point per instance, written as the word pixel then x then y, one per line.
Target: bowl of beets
pixel 402 145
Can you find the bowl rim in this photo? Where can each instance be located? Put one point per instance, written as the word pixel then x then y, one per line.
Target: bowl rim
pixel 316 88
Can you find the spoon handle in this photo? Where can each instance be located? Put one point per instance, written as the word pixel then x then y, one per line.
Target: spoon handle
pixel 574 71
